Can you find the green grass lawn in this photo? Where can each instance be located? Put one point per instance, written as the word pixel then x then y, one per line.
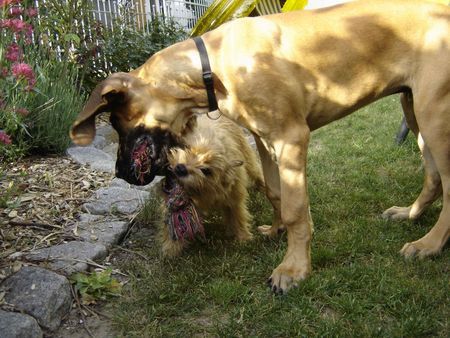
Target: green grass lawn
pixel 360 285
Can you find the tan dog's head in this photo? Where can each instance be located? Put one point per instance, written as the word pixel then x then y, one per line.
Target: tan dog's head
pixel 150 109
pixel 202 168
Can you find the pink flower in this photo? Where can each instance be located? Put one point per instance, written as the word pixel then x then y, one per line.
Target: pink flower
pixel 4 3
pixel 13 52
pixel 4 72
pixel 30 86
pixel 24 71
pixel 4 137
pixel 15 11
pixel 16 25
pixel 22 111
pixel 31 12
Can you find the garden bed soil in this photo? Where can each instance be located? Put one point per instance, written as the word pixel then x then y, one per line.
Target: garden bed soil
pixel 40 198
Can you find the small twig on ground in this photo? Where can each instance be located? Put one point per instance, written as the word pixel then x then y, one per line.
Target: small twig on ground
pixel 96 313
pixel 80 310
pixel 130 228
pixel 75 199
pixel 133 252
pixel 50 235
pixel 31 224
pixel 90 262
pixel 88 309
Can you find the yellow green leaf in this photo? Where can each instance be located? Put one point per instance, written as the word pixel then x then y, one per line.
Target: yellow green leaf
pixel 294 5
pixel 221 11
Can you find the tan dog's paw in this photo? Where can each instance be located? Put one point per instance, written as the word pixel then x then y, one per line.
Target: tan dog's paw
pixel 270 230
pixel 420 249
pixel 397 213
pixel 287 276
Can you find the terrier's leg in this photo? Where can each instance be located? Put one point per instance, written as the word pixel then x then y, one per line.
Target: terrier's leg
pixel 236 214
pixel 273 191
pixel 170 247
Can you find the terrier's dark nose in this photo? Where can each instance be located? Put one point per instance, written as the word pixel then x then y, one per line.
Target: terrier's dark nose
pixel 180 170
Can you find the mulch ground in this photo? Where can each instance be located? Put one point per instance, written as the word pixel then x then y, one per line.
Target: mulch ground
pixel 40 198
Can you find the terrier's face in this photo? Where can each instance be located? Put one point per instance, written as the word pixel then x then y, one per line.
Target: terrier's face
pixel 201 169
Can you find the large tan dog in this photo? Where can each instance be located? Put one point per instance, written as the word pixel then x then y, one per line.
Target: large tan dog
pixel 282 76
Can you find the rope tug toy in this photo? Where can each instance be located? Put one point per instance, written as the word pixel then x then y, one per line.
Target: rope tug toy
pixel 182 219
pixel 141 163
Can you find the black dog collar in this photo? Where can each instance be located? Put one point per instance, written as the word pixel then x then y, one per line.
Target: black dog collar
pixel 207 74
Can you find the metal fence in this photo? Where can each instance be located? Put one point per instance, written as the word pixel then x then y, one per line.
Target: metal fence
pixel 135 13
pixel 184 12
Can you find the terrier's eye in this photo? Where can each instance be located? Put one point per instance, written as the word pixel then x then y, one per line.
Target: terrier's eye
pixel 206 171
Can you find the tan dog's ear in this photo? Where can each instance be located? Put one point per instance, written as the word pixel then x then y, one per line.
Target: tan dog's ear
pixel 109 92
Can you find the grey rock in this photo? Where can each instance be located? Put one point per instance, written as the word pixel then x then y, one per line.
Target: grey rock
pixel 69 257
pixel 99 142
pixel 18 325
pixel 107 233
pixel 111 150
pixel 116 200
pixel 108 132
pixel 97 159
pixel 118 182
pixel 86 218
pixel 41 293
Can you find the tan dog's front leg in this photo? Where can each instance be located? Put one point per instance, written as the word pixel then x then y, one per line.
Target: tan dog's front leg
pixel 273 191
pixel 296 265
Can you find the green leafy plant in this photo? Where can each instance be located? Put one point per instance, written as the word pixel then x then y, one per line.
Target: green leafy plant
pixel 62 24
pixel 8 195
pixel 138 45
pixel 96 286
pixel 125 39
pixel 53 107
pixel 39 90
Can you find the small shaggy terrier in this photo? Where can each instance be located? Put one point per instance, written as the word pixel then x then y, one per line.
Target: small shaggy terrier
pixel 215 169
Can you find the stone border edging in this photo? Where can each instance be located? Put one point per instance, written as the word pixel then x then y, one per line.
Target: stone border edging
pixel 42 294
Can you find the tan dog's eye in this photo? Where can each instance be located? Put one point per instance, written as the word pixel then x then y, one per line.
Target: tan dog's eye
pixel 206 171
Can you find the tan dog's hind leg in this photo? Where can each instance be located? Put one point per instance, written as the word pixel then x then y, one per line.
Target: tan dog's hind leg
pixel 291 150
pixel 273 191
pixel 433 242
pixel 432 187
pixel 436 134
pixel 431 190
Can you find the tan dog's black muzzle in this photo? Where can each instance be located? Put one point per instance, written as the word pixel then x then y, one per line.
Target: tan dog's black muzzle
pixel 142 155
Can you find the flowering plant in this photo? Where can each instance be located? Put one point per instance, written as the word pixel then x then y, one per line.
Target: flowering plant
pixel 17 77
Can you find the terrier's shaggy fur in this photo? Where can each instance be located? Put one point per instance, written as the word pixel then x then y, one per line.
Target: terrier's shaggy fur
pixel 215 169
